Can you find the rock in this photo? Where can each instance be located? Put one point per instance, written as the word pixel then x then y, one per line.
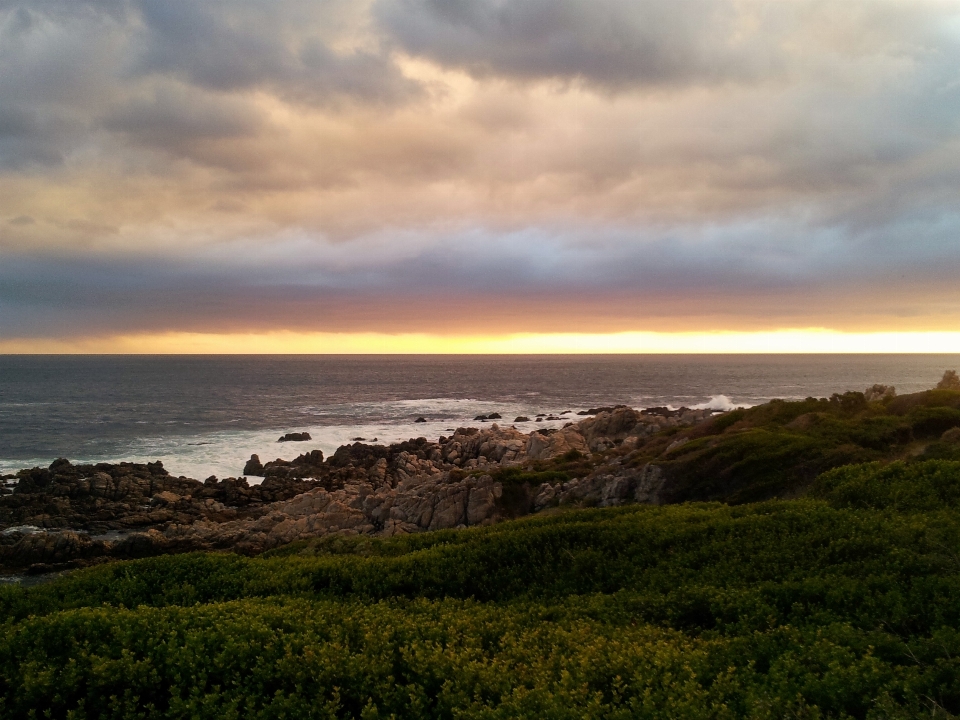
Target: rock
pixel 494 416
pixel 950 381
pixel 253 467
pixel 20 550
pixel 614 490
pixel 166 498
pixel 878 393
pixel 411 486
pixel 544 447
pixel 649 485
pixel 522 418
pixel 295 437
pixel 611 425
pixel 661 411
pixel 480 418
pixel 545 497
pixel 597 411
pixel 420 420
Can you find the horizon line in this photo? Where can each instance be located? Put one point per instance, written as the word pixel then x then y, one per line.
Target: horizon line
pixel 787 341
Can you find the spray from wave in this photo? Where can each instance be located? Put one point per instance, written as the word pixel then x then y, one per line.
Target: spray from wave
pixel 719 402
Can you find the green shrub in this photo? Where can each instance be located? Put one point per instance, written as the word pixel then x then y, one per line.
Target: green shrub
pixel 929 422
pixel 905 487
pixel 768 610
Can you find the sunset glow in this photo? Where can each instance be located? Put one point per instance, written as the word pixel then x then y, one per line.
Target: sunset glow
pixel 786 341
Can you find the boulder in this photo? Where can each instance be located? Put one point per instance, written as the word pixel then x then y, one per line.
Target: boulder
pixel 253 467
pixel 544 446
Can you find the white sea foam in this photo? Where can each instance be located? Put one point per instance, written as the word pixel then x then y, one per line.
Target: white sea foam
pixel 718 402
pixel 224 453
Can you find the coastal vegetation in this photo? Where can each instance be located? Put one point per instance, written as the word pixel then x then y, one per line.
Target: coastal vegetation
pixel 813 572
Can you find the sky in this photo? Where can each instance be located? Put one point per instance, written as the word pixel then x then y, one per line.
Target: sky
pixel 479 175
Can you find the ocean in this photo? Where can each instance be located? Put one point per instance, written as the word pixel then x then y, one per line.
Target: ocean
pixel 205 415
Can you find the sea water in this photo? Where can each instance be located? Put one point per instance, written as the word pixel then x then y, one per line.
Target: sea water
pixel 205 415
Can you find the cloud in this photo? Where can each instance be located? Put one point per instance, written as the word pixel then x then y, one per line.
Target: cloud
pixel 615 44
pixel 422 164
pixel 758 275
pixel 230 46
pixel 618 45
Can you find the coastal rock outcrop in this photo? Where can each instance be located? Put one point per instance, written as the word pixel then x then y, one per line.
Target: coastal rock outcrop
pixel 69 514
pixel 253 467
pixel 107 497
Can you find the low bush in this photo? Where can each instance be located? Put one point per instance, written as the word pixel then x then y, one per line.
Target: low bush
pixel 843 605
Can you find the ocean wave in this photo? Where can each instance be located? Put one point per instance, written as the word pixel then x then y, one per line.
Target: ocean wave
pixel 719 402
pixel 224 453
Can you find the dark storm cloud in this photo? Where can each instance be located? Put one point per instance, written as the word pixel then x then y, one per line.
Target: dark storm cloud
pixel 619 44
pixel 26 139
pixel 184 122
pixel 229 46
pixel 612 43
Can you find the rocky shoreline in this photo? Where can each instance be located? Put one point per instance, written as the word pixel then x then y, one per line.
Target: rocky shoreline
pixel 69 515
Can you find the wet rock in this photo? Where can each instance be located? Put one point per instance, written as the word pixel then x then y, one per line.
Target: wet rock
pixel 522 418
pixel 597 411
pixel 420 420
pixel 253 467
pixel 295 437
